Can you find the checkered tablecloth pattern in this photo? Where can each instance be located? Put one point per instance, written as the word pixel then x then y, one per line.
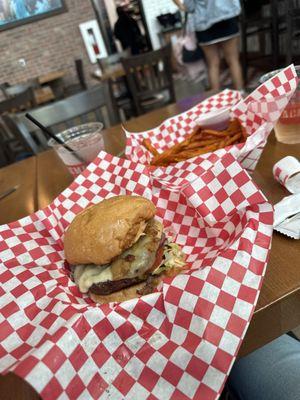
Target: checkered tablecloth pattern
pixel 258 113
pixel 177 343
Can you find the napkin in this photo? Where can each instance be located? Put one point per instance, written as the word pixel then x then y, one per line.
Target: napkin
pixel 287 212
pixel 287 172
pixel 287 216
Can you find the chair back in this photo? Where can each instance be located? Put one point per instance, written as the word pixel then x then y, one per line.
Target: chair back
pixel 20 102
pixel 12 148
pixel 112 59
pixel 4 138
pixel 3 86
pixel 92 105
pixel 14 90
pixel 80 73
pixel 292 20
pixel 12 145
pixel 149 74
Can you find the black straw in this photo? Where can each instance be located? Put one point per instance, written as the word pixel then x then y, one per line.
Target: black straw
pixel 54 137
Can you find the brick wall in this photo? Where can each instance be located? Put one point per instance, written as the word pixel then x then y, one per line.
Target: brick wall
pixel 47 45
pixel 152 9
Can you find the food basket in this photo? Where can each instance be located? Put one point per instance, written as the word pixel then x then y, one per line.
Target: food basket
pixel 257 113
pixel 179 342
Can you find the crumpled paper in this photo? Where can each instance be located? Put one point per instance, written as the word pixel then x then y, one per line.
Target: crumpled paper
pixel 258 113
pixel 179 342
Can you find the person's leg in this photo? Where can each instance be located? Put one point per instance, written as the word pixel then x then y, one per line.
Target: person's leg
pixel 212 57
pixel 230 49
pixel 269 373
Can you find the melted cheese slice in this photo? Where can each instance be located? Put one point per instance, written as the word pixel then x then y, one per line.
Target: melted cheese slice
pixel 143 252
pixel 86 275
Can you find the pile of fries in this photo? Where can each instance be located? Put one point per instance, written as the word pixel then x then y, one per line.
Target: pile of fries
pixel 201 141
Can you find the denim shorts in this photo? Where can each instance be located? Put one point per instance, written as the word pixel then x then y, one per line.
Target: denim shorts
pixel 219 32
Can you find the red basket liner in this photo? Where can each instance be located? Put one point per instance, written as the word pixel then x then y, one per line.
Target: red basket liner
pixel 258 113
pixel 179 342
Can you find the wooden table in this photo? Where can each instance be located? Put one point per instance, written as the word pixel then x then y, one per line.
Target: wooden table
pixel 278 308
pixel 53 82
pixel 50 77
pixel 112 72
pixel 24 200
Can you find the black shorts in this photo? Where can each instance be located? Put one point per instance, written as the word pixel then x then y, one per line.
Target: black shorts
pixel 219 32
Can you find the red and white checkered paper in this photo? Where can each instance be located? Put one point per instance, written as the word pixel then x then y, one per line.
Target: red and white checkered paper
pixel 286 171
pixel 177 343
pixel 258 113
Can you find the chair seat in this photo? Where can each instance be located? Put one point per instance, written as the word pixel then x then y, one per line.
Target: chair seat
pixel 124 103
pixel 72 89
pixel 156 101
pixel 153 100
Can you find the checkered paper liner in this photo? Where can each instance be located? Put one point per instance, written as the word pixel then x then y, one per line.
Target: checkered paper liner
pixel 258 113
pixel 177 343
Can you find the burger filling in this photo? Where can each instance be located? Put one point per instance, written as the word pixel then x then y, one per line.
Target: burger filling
pixel 150 256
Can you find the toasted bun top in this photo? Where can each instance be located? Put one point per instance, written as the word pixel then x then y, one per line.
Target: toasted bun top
pixel 103 231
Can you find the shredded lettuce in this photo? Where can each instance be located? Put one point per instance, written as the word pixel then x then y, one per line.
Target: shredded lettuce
pixel 173 258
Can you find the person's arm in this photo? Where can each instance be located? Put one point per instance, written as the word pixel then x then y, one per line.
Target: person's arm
pixel 117 31
pixel 136 27
pixel 189 5
pixel 180 5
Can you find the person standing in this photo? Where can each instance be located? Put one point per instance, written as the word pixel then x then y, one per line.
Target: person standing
pixel 216 26
pixel 127 31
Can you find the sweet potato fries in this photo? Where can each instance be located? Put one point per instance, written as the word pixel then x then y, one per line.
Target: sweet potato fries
pixel 201 141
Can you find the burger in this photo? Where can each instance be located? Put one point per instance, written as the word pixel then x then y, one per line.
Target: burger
pixel 117 250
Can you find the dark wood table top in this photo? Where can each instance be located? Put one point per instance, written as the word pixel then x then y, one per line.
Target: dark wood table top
pixel 278 308
pixel 51 76
pixel 24 200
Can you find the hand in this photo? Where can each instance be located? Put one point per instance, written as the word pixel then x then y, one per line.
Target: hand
pixel 180 5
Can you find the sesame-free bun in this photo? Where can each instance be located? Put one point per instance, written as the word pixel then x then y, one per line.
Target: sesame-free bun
pixel 103 231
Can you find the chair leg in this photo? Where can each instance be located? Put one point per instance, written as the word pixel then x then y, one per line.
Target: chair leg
pixel 3 158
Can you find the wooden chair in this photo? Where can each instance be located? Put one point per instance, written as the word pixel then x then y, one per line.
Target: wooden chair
pixel 292 17
pixel 21 101
pixel 10 91
pixel 112 59
pixel 256 23
pixel 12 146
pixel 3 86
pixel 92 105
pixel 4 156
pixel 80 73
pixel 119 86
pixel 81 85
pixel 150 79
